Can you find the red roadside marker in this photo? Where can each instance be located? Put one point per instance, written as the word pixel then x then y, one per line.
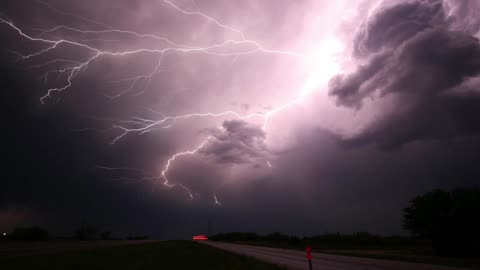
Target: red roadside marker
pixel 309 256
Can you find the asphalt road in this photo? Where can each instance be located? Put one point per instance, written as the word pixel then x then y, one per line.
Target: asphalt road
pixel 294 259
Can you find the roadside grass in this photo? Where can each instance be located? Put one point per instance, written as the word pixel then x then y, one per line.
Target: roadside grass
pixel 159 255
pixel 473 263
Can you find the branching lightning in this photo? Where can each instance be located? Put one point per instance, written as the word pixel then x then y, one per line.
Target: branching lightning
pixel 216 201
pixel 70 69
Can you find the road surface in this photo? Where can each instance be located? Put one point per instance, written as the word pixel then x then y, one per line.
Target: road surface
pixel 294 259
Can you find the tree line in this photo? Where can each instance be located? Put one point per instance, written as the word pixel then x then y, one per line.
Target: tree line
pixel 84 233
pixel 448 222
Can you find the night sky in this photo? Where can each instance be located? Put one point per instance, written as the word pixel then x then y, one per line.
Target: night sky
pixel 305 117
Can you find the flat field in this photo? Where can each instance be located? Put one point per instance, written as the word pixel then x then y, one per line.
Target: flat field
pixel 143 255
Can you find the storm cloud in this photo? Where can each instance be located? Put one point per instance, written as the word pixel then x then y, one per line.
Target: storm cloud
pixel 284 145
pixel 410 52
pixel 237 142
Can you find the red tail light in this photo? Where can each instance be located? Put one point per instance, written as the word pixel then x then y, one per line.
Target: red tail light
pixel 200 238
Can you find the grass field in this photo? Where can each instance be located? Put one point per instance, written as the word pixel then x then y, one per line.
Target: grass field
pixel 402 255
pixel 159 255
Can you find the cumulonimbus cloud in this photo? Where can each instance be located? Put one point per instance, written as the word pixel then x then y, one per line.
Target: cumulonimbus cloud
pixel 411 50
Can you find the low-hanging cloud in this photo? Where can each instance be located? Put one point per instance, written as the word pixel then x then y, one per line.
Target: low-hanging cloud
pixel 236 142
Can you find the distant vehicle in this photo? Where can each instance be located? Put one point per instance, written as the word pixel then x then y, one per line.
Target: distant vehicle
pixel 200 238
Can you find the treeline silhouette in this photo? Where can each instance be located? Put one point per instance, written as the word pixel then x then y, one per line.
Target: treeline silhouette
pixel 450 219
pixel 84 233
pixel 445 223
pixel 34 233
pixel 360 240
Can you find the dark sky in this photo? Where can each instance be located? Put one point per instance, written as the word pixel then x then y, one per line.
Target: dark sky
pixel 305 117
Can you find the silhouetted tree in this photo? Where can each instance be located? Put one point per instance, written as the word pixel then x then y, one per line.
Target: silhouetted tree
pixel 450 219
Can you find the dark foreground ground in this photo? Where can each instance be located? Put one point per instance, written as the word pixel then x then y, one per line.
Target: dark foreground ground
pixel 140 255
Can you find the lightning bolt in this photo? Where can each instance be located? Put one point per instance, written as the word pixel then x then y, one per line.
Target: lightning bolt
pixel 70 69
pixel 142 126
pixel 215 200
pixel 208 18
pixel 179 154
